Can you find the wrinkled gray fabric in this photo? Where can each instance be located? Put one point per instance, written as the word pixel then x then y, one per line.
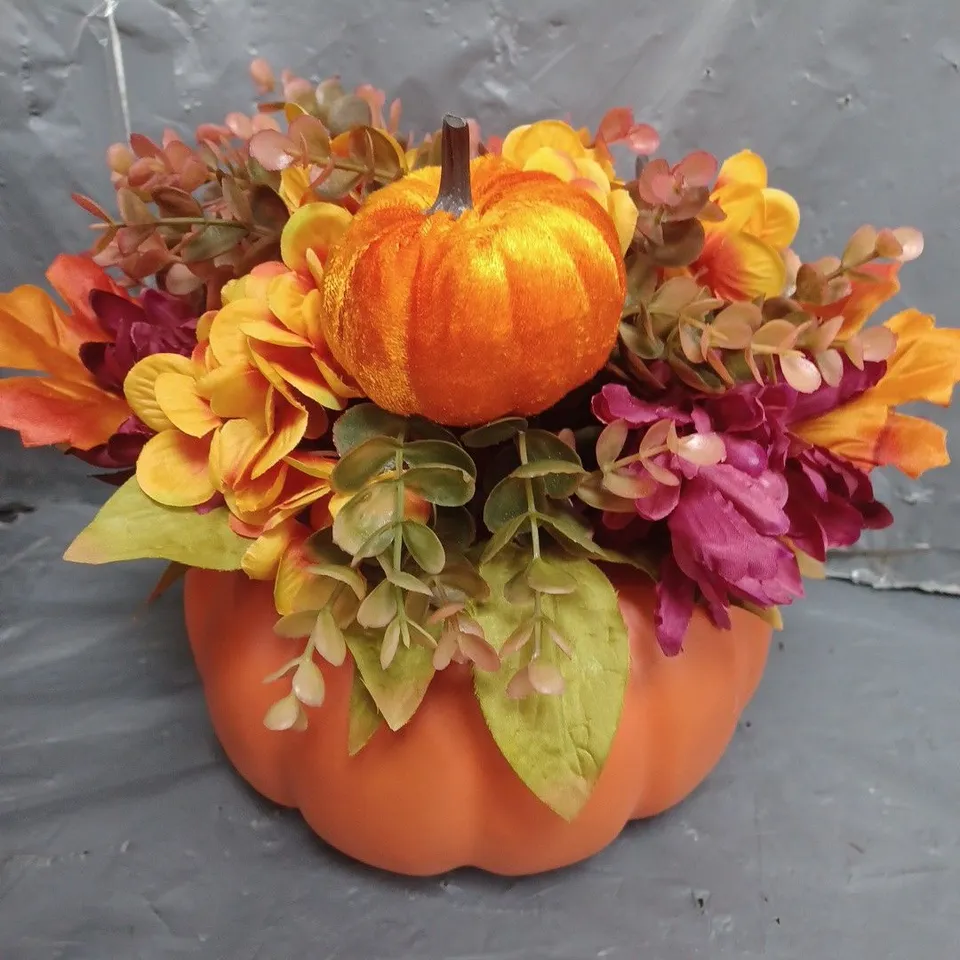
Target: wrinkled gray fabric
pixel 830 829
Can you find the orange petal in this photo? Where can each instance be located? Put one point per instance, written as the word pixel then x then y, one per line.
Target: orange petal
pixel 25 339
pixel 233 449
pixel 178 399
pixel 34 308
pixel 173 469
pixel 311 464
pixel 925 364
pixel 253 497
pixel 269 331
pixel 865 299
pixel 911 445
pixel 851 431
pixel 297 368
pixel 740 267
pixel 75 277
pixel 262 559
pixel 139 386
pixel 45 412
pixel 290 424
pixel 316 227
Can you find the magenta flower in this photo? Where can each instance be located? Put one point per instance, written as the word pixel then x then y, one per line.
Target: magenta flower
pixel 733 490
pixel 156 323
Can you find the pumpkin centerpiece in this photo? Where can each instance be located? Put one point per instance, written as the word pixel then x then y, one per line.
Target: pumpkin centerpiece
pixel 488 492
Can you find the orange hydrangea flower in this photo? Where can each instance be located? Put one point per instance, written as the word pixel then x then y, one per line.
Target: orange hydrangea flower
pixel 743 255
pixel 66 406
pixel 869 431
pixel 555 147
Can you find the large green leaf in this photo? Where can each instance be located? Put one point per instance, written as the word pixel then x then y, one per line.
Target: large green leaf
pixel 365 719
pixel 131 526
pixel 398 690
pixel 558 745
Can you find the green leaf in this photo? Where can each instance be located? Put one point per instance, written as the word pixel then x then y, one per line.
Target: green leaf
pixel 378 542
pixel 441 485
pixel 506 502
pixel 358 467
pixel 577 539
pixel 211 242
pixel 546 577
pixel 455 527
pixel 424 546
pixel 320 548
pixel 365 719
pixel 131 526
pixel 379 608
pixel 422 453
pixel 398 690
pixel 502 537
pixel 364 515
pixel 543 445
pixel 558 744
pixel 362 422
pixel 546 468
pixel 423 429
pixel 342 574
pixel 403 580
pixel 495 433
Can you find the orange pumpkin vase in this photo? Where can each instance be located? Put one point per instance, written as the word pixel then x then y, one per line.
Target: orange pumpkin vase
pixel 438 794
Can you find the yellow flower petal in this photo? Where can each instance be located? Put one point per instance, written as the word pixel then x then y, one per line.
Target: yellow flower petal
pixel 781 218
pixel 316 227
pixel 139 387
pixel 257 497
pixel 290 424
pixel 234 448
pixel 227 341
pixel 285 297
pixel 625 214
pixel 262 559
pixel 925 364
pixel 740 267
pixel 742 203
pixel 269 331
pixel 178 399
pixel 744 167
pixel 235 392
pixel 294 187
pixel 549 160
pixel 518 147
pixel 591 170
pixel 173 469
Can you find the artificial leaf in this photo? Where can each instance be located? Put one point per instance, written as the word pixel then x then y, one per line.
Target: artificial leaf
pixel 363 516
pixel 543 445
pixel 171 574
pixel 379 607
pixel 504 535
pixel 308 685
pixel 558 744
pixel 494 433
pixel 429 452
pixel 363 421
pixel 546 577
pixel 443 485
pixel 327 638
pixel 342 574
pixel 398 690
pixel 424 546
pixel 456 527
pixel 364 719
pixel 131 526
pixel 506 501
pixel 546 468
pixel 210 242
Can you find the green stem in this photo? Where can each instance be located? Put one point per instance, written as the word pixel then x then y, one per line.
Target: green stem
pixel 531 502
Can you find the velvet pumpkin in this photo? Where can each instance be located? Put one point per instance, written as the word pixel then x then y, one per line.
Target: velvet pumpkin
pixel 468 293
pixel 438 794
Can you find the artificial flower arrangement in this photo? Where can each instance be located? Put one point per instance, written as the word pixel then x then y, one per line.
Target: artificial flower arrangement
pixel 488 469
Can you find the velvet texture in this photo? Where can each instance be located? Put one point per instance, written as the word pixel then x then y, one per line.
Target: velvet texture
pixel 502 310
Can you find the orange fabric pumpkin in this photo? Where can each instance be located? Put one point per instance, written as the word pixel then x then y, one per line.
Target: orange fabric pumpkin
pixel 496 309
pixel 438 794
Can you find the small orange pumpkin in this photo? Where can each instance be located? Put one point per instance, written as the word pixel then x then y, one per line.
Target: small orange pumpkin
pixel 438 794
pixel 472 291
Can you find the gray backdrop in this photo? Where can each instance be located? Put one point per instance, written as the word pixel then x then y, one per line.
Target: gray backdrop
pixel 830 830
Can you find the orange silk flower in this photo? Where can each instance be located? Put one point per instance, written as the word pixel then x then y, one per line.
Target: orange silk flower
pixel 66 406
pixel 869 431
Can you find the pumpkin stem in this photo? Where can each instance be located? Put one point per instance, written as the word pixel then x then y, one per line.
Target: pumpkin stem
pixel 454 195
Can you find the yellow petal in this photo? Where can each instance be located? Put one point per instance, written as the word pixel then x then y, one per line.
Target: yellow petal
pixel 744 167
pixel 740 267
pixel 286 296
pixel 781 218
pixel 743 205
pixel 253 497
pixel 312 464
pixel 508 148
pixel 269 331
pixel 296 368
pixel 591 170
pixel 625 214
pixel 543 133
pixel 316 227
pixel 294 187
pixel 290 424
pixel 227 341
pixel 234 448
pixel 178 399
pixel 173 469
pixel 262 559
pixel 235 392
pixel 925 364
pixel 139 387
pixel 549 160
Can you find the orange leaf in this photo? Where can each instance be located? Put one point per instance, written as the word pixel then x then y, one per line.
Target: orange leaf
pixel 75 277
pixel 45 412
pixel 911 444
